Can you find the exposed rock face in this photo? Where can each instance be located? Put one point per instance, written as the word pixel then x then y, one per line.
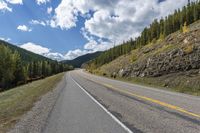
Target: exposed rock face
pixel 165 63
pixel 184 57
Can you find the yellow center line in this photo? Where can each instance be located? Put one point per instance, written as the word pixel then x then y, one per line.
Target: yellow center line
pixel 153 101
pixel 173 107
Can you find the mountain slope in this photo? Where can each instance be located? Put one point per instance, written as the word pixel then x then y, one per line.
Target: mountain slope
pixel 25 55
pixel 173 62
pixel 19 66
pixel 157 30
pixel 77 62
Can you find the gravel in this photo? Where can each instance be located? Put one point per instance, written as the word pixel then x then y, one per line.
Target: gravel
pixel 34 121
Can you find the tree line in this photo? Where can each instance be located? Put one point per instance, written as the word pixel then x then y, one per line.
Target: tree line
pixel 15 71
pixel 158 29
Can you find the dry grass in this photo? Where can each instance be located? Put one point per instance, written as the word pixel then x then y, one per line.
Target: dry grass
pixel 172 82
pixel 17 101
pixel 188 49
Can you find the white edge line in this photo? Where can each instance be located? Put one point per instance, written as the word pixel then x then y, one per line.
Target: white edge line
pixel 110 114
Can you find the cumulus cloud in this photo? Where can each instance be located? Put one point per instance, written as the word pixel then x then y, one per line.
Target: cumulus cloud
pixel 72 54
pixel 112 20
pixel 107 22
pixel 75 53
pixel 55 56
pixel 4 6
pixel 65 15
pixel 122 20
pixel 39 2
pixel 35 48
pixel 15 1
pixel 24 28
pixel 44 51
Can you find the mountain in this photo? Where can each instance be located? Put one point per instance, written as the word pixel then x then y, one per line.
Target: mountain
pixel 166 54
pixel 157 30
pixel 77 62
pixel 173 62
pixel 19 66
pixel 26 56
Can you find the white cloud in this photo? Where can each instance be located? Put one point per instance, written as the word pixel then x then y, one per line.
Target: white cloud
pixel 94 46
pixel 55 56
pixel 49 10
pixel 65 15
pixel 15 1
pixel 112 20
pixel 37 22
pixel 5 39
pixel 90 45
pixel 24 28
pixel 4 6
pixel 44 51
pixel 35 48
pixel 121 20
pixel 75 53
pixel 39 2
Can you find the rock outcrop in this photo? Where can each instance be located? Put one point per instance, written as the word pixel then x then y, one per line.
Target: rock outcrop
pixel 177 53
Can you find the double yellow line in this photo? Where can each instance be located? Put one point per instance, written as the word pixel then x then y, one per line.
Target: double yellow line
pixel 173 107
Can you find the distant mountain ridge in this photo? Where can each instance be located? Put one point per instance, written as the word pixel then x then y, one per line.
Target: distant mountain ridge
pixel 77 62
pixel 25 54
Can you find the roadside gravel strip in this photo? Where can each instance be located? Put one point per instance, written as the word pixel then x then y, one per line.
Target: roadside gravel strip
pixel 34 121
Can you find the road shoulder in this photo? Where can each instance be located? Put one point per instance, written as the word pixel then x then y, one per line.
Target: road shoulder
pixel 34 120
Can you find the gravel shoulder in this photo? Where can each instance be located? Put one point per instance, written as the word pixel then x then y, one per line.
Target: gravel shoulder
pixel 34 120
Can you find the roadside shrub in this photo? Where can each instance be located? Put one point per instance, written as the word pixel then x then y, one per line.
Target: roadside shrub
pixel 188 49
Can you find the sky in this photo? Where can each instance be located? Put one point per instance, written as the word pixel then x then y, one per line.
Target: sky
pixel 66 29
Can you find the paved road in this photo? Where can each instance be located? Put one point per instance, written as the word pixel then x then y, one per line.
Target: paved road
pixel 93 104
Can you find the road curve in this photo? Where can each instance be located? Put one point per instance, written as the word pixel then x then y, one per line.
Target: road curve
pixel 93 104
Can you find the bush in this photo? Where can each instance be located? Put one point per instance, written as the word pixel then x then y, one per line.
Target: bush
pixel 188 49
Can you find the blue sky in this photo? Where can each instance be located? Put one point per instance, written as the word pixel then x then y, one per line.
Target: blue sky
pixel 53 38
pixel 66 29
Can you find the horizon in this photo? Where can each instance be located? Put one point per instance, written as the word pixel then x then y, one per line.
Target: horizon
pixel 65 30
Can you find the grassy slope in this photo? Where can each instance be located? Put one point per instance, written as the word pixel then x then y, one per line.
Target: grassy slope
pixel 180 82
pixel 17 101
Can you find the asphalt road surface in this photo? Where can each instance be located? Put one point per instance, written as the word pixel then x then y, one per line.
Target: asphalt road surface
pixel 93 104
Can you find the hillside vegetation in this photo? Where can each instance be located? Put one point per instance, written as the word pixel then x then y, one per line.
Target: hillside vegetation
pixel 159 29
pixel 17 101
pixel 18 66
pixel 173 62
pixel 166 56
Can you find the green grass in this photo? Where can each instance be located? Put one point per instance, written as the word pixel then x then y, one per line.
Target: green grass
pixel 177 86
pixel 17 101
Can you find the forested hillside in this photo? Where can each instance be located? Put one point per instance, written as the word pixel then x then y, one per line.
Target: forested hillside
pixel 77 62
pixel 18 66
pixel 25 55
pixel 159 29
